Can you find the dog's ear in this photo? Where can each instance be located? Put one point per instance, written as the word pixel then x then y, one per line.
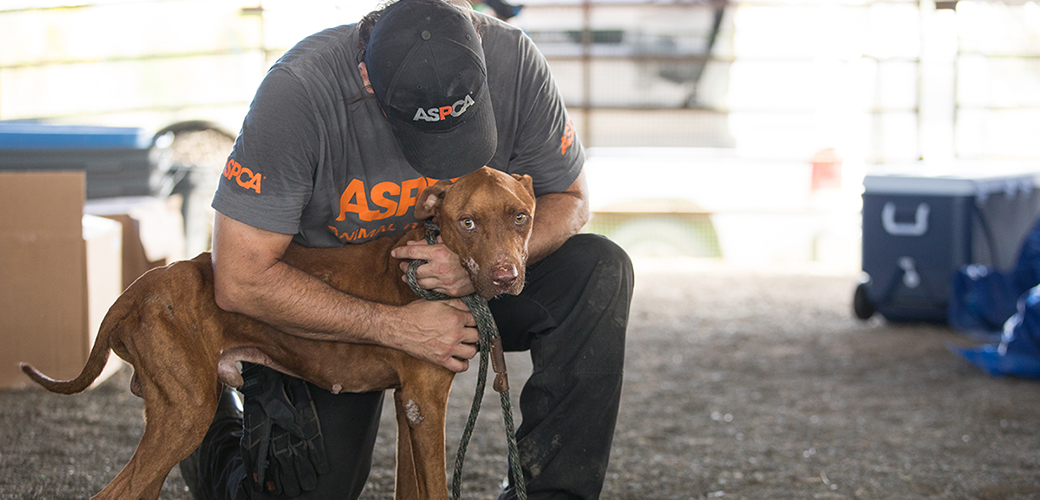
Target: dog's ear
pixel 526 181
pixel 429 201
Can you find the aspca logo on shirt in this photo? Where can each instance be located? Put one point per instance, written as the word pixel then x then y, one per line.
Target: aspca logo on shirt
pixel 389 198
pixel 567 139
pixel 443 112
pixel 245 177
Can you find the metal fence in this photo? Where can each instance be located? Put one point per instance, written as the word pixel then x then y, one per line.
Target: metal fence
pixel 882 80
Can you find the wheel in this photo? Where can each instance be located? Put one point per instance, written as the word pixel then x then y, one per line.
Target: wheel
pixel 861 304
pixel 666 236
pixel 197 153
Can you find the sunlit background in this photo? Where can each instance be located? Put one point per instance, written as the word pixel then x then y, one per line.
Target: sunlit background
pixel 736 131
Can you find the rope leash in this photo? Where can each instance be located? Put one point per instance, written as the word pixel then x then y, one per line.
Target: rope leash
pixel 490 342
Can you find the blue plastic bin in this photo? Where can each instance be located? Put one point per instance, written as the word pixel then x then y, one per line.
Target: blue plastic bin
pixel 117 160
pixel 33 135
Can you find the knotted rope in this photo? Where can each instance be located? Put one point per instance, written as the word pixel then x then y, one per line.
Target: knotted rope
pixel 490 342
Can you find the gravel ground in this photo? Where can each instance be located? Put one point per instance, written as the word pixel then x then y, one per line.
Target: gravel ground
pixel 739 384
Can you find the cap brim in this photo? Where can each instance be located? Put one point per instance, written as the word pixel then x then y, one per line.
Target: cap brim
pixel 456 152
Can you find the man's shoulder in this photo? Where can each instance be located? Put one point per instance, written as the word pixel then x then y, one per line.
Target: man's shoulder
pixel 498 36
pixel 325 49
pixel 319 66
pixel 488 24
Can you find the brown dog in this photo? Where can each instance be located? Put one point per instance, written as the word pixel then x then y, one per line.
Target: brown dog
pixel 182 346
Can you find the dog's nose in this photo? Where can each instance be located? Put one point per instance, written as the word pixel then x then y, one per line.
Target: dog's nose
pixel 503 275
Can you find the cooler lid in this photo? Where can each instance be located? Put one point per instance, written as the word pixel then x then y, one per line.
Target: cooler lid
pixel 963 179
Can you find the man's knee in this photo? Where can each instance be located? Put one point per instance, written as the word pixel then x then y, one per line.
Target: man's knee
pixel 585 265
pixel 603 273
pixel 592 252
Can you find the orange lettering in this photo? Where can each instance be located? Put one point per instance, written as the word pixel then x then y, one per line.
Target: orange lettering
pixel 382 197
pixel 379 193
pixel 445 111
pixel 235 170
pixel 353 200
pixel 568 137
pixel 232 169
pixel 252 181
pixel 362 233
pixel 407 198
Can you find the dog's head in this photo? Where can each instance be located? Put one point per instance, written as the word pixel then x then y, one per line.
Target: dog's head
pixel 486 218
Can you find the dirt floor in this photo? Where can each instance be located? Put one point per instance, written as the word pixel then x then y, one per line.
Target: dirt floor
pixel 739 384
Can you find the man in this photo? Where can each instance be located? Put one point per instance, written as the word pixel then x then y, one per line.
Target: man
pixel 344 132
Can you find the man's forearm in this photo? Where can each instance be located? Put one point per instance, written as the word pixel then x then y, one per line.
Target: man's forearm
pixel 250 278
pixel 558 216
pixel 302 305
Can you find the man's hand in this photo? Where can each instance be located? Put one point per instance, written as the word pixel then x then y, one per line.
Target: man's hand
pixel 442 332
pixel 442 273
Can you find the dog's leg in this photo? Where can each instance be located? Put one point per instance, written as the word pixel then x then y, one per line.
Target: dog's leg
pixel 406 486
pixel 421 404
pixel 153 490
pixel 171 433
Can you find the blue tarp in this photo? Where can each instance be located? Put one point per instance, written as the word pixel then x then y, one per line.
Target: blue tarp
pixel 1005 306
pixel 31 135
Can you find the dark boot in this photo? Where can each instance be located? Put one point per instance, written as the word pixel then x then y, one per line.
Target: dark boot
pixel 226 422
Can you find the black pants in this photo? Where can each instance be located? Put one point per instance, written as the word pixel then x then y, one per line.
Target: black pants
pixel 571 316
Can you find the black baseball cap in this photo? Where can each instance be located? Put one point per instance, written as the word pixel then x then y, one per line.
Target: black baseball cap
pixel 428 73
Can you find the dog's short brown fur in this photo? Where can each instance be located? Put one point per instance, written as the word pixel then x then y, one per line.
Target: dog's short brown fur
pixel 182 346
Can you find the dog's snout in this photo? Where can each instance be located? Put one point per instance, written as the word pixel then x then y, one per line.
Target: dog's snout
pixel 504 275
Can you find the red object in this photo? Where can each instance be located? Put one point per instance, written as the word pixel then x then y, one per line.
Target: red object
pixel 826 170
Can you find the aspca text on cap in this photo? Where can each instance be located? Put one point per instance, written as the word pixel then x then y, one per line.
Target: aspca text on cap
pixel 441 113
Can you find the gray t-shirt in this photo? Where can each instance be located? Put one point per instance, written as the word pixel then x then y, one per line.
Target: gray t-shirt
pixel 316 158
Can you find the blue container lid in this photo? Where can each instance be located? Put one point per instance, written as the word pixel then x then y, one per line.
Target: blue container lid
pixel 39 136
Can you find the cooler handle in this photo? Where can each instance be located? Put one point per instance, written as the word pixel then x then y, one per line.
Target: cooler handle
pixel 917 228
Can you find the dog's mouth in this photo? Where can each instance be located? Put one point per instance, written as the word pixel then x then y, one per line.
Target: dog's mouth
pixel 500 279
pixel 492 290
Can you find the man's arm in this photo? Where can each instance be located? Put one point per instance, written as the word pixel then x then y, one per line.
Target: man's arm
pixel 557 217
pixel 250 278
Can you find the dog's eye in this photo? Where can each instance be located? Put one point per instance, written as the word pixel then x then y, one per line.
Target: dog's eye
pixel 467 224
pixel 521 219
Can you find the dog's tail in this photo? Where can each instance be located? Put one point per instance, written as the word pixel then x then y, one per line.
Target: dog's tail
pixel 95 361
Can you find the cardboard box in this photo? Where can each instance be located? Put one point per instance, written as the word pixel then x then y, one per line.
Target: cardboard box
pixel 153 230
pixel 59 273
